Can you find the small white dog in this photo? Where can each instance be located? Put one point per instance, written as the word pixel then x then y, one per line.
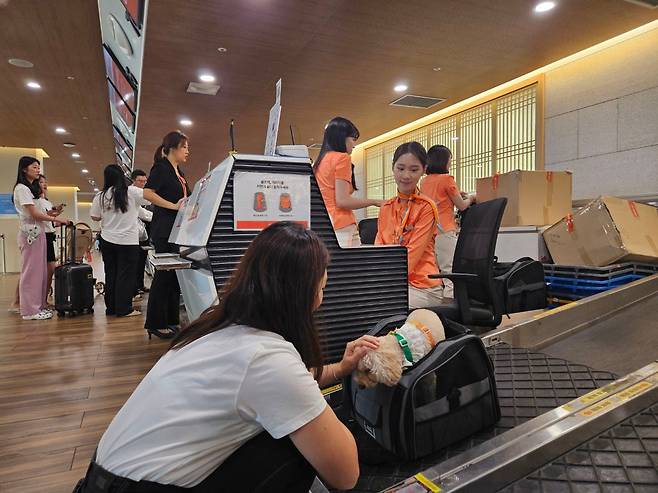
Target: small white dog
pixel 400 349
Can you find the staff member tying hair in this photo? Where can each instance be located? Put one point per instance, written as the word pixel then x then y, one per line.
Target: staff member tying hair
pixel 441 187
pixel 333 171
pixel 235 406
pixel 409 219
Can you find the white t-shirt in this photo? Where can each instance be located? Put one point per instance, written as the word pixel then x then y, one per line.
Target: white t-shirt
pixel 46 205
pixel 199 404
pixel 116 226
pixel 22 197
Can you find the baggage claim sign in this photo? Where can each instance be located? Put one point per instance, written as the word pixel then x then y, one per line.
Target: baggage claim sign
pixel 261 199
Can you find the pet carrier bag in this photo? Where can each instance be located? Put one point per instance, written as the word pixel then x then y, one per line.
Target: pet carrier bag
pixel 447 396
pixel 521 285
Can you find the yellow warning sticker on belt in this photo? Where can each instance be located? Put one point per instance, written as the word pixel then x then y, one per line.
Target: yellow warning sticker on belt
pixel 332 389
pixel 598 408
pixel 634 390
pixel 593 396
pixel 422 479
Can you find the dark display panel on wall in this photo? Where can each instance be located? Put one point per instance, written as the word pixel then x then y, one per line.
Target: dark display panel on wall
pixel 122 92
pixel 135 12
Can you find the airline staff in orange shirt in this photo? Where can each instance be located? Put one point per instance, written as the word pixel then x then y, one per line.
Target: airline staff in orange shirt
pixel 410 219
pixel 333 172
pixel 441 187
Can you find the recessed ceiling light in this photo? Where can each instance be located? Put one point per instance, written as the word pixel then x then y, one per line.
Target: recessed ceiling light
pixel 207 78
pixel 70 77
pixel 19 62
pixel 68 144
pixel 85 118
pixel 75 155
pixel 544 7
pixel 33 85
pixel 400 88
pixel 186 122
pixel 437 69
pixel 84 170
pixel 221 49
pixel 60 130
pixel 95 189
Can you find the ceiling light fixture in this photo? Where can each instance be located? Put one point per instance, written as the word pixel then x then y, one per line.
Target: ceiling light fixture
pixel 95 189
pixel 33 85
pixel 437 69
pixel 19 62
pixel 400 88
pixel 75 155
pixel 70 77
pixel 207 78
pixel 186 122
pixel 68 144
pixel 542 7
pixel 60 130
pixel 221 49
pixel 84 170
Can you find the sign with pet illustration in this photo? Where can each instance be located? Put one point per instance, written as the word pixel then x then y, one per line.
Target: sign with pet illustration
pixel 261 199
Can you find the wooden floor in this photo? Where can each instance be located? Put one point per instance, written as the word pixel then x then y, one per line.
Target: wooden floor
pixel 61 383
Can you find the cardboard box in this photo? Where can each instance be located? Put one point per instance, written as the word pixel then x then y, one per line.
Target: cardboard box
pixel 605 231
pixel 534 198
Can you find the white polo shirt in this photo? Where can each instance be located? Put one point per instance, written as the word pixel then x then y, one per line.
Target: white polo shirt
pixel 46 205
pixel 199 404
pixel 119 227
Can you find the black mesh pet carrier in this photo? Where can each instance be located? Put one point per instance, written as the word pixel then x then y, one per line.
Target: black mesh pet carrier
pixel 521 285
pixel 448 395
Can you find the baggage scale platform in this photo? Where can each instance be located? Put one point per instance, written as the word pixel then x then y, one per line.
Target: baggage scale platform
pixel 565 427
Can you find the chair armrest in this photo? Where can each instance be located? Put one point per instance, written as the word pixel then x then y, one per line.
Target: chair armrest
pixel 455 276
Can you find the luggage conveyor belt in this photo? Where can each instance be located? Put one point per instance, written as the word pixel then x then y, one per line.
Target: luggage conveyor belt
pixel 591 440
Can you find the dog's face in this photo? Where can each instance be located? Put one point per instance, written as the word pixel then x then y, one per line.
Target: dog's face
pixel 384 365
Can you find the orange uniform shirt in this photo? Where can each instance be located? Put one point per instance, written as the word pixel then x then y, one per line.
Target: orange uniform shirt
pixel 440 187
pixel 335 166
pixel 418 236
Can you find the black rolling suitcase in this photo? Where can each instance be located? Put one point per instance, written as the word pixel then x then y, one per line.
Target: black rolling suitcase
pixel 447 396
pixel 74 282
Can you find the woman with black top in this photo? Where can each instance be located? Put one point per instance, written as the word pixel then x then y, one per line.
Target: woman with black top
pixel 166 189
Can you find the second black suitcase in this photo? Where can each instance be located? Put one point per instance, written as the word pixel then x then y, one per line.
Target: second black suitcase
pixel 74 282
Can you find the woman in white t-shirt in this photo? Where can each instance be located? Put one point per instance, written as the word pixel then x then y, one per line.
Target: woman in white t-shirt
pixel 32 240
pixel 48 208
pixel 235 405
pixel 117 207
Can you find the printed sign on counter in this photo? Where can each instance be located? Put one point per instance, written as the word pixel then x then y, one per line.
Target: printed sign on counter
pixel 261 199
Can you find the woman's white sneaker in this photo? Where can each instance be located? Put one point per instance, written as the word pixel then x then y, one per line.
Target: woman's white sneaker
pixel 43 315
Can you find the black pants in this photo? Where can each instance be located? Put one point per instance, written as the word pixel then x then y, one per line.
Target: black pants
pixel 120 263
pixel 163 307
pixel 262 465
pixel 141 266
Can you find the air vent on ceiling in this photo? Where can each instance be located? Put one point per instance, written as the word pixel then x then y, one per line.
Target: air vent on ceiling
pixel 316 145
pixel 203 88
pixel 652 4
pixel 412 101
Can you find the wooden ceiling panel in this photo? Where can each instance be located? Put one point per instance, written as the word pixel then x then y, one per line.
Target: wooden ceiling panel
pixel 339 57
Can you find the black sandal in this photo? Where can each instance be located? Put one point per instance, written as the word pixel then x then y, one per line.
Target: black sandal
pixel 168 333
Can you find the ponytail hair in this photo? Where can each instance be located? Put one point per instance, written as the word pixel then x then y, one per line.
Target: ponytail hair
pixel 173 140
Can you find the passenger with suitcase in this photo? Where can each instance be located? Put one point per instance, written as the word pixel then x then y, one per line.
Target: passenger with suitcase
pixel 116 207
pixel 32 240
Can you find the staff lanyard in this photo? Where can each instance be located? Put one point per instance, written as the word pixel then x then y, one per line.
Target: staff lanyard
pixel 182 184
pixel 405 216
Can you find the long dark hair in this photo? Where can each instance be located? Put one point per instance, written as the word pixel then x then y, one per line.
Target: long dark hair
pixel 274 288
pixel 41 190
pixel 21 177
pixel 335 134
pixel 414 148
pixel 115 179
pixel 438 157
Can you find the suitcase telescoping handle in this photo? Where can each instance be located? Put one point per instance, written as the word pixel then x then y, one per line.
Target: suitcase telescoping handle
pixel 63 245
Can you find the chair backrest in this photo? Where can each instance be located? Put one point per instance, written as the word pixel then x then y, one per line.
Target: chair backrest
pixel 475 250
pixel 368 231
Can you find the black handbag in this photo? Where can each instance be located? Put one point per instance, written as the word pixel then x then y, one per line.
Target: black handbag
pixel 447 396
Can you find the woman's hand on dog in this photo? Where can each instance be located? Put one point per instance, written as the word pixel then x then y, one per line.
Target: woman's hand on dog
pixel 356 350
